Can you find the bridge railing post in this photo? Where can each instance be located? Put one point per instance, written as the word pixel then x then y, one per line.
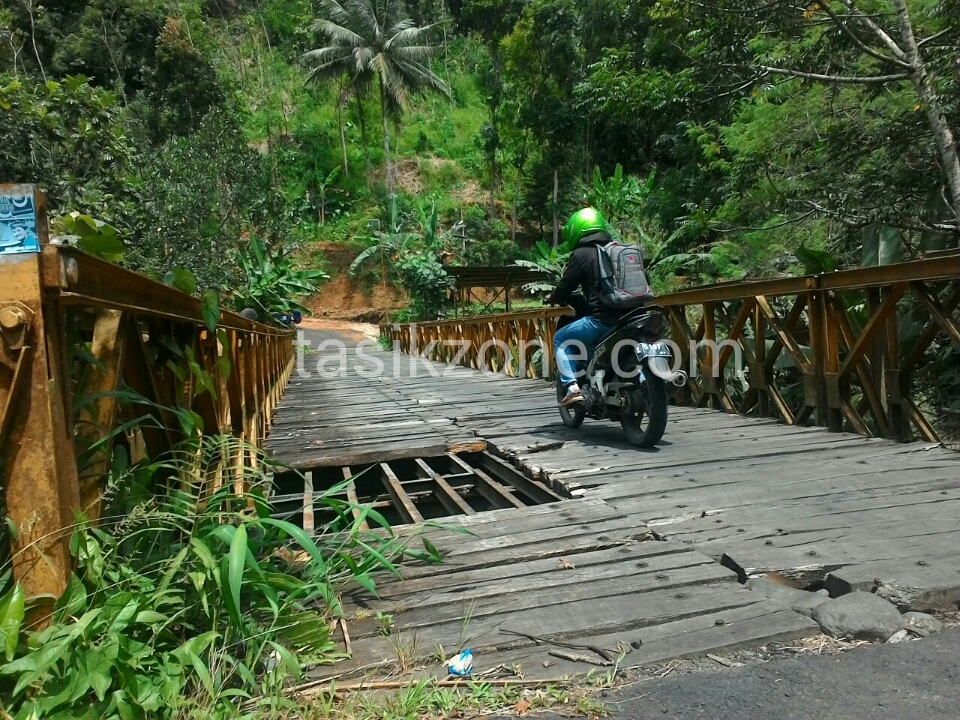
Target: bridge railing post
pixel 36 449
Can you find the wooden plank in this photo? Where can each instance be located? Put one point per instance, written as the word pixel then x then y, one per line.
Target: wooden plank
pixel 549 595
pixel 478 577
pixel 308 502
pixel 404 505
pixel 566 581
pixel 357 454
pixel 719 632
pixel 496 493
pixel 924 583
pixel 493 491
pixel 533 489
pixel 621 613
pixel 445 494
pixel 352 497
pixel 492 552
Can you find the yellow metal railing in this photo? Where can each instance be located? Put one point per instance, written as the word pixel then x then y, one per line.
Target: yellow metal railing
pixel 852 341
pixel 132 333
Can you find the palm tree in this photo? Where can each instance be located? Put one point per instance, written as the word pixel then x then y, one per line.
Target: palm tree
pixel 373 40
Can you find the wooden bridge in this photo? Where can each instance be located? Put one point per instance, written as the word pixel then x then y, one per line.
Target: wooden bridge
pixel 817 462
pixel 815 465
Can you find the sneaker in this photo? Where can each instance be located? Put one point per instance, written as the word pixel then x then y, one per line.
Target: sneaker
pixel 572 397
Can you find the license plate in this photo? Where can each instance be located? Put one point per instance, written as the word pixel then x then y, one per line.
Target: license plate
pixel 652 350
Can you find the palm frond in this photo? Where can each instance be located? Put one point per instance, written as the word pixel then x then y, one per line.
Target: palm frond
pixel 337 13
pixel 337 34
pixel 326 54
pixel 418 78
pixel 363 60
pixel 413 53
pixel 408 35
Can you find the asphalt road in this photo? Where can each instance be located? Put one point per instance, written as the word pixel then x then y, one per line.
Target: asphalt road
pixel 912 681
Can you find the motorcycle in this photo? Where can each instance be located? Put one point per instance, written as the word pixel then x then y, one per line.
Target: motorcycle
pixel 631 386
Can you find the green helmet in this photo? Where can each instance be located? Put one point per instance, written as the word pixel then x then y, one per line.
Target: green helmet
pixel 584 222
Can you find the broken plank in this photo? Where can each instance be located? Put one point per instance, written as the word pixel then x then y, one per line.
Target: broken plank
pixel 445 494
pixel 404 505
pixel 308 502
pixel 352 497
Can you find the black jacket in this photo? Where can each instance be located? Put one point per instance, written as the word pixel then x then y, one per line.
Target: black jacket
pixel 583 270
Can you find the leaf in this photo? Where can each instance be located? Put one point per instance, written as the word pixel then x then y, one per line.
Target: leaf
pixel 381 560
pixel 73 602
pixel 881 246
pixel 300 536
pixel 203 672
pixel 108 247
pixel 182 279
pixel 98 670
pixel 816 262
pixel 366 582
pixel 120 610
pixel 288 659
pixel 11 617
pixel 150 617
pixel 210 309
pixel 431 549
pixel 233 574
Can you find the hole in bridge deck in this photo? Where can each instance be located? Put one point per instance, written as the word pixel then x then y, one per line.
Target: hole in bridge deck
pixel 409 490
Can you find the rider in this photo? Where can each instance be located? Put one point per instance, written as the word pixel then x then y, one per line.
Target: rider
pixel 585 232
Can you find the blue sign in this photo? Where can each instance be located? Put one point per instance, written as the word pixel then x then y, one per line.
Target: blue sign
pixel 18 223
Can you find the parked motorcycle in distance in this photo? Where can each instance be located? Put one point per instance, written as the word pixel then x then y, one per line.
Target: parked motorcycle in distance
pixel 630 388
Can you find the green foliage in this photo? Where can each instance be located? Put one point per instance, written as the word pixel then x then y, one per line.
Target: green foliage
pixel 373 41
pixel 423 276
pixel 548 259
pixel 90 235
pixel 186 606
pixel 411 257
pixel 68 138
pixel 273 283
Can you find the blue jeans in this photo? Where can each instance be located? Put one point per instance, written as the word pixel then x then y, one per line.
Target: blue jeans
pixel 588 331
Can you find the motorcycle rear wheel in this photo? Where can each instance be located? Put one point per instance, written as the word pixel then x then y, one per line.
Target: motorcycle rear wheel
pixel 650 404
pixel 573 415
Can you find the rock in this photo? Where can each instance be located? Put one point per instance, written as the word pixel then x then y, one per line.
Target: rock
pixel 795 599
pixel 922 624
pixel 859 615
pixel 901 636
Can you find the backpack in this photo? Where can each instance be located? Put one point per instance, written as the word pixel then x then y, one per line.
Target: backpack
pixel 623 282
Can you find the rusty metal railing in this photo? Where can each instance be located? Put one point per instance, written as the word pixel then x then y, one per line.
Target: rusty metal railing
pixel 63 312
pixel 842 349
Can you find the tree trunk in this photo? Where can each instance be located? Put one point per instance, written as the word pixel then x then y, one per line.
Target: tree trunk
pixel 494 138
pixel 942 133
pixel 513 213
pixel 386 136
pixel 556 208
pixel 492 212
pixel 521 166
pixel 343 140
pixel 363 134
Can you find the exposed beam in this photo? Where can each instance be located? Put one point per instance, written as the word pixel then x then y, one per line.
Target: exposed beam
pixel 408 511
pixel 445 494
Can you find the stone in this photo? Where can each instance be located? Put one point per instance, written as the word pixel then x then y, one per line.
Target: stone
pixel 859 615
pixel 922 624
pixel 800 601
pixel 901 636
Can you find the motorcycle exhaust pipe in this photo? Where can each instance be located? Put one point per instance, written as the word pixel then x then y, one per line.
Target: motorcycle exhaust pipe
pixel 660 367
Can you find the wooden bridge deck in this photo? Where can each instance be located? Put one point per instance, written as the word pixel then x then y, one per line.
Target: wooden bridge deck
pixel 646 555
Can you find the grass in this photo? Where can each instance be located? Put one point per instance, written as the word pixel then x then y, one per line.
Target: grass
pixel 427 698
